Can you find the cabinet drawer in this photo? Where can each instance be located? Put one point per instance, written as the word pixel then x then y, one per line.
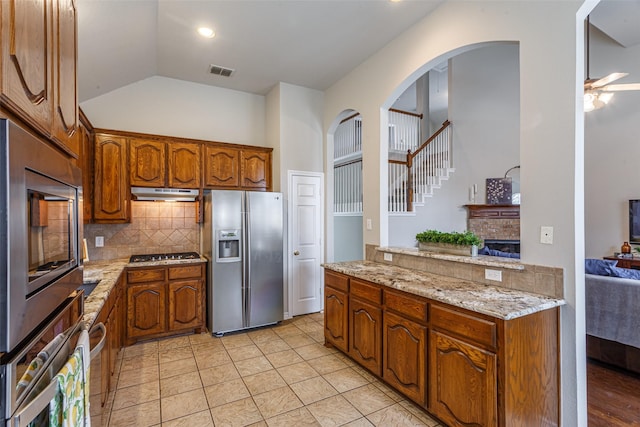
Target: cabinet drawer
pixel 185 272
pixel 336 280
pixel 366 291
pixel 146 275
pixel 409 305
pixel 474 328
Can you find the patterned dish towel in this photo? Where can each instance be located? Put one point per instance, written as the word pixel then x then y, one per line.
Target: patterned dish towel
pixel 37 363
pixel 68 408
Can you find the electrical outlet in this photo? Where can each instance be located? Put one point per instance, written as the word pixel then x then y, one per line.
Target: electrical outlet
pixel 546 235
pixel 99 241
pixel 388 257
pixel 495 275
pixel 369 224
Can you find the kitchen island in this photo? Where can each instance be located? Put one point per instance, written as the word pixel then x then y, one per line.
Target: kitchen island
pixel 467 352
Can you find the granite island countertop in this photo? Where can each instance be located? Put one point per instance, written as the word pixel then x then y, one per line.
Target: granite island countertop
pixel 108 272
pixel 502 303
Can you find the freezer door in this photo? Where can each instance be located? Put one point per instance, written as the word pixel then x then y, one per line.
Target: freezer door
pixel 265 257
pixel 226 296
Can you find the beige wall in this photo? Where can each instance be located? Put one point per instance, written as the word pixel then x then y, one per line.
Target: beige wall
pixel 156 227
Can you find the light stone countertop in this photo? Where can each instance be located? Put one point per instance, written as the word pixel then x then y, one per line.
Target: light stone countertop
pixel 108 272
pixel 485 260
pixel 494 301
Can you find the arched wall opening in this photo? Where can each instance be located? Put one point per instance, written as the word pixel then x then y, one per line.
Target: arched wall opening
pixel 484 109
pixel 344 188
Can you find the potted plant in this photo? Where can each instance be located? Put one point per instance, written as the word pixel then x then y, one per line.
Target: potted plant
pixel 465 243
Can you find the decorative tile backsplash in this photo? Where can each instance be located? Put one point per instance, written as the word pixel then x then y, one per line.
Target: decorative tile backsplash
pixel 156 227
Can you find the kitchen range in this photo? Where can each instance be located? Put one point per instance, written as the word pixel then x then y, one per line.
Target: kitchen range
pixel 163 257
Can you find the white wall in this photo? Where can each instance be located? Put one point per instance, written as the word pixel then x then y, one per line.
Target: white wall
pixel 164 106
pixel 484 107
pixel 301 128
pixel 551 136
pixel 348 235
pixel 612 150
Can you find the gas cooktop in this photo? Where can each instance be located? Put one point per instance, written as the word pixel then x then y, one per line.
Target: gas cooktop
pixel 162 257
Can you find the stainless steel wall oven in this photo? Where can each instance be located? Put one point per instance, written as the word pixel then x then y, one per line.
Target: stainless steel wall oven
pixel 40 235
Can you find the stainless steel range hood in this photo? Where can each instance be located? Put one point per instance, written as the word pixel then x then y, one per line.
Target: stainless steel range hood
pixel 166 194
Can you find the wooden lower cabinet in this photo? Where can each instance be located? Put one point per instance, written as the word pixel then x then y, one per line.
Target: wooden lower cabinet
pixel 405 362
pixel 336 311
pixel 146 310
pixel 103 365
pixel 186 299
pixel 464 382
pixel 365 334
pixel 163 301
pixel 466 368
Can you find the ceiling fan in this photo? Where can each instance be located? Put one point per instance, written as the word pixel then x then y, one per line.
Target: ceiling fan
pixel 598 92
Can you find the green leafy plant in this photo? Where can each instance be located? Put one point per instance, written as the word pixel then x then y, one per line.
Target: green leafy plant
pixel 466 238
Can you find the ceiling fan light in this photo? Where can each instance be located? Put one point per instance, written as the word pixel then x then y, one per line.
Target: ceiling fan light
pixel 605 97
pixel 588 102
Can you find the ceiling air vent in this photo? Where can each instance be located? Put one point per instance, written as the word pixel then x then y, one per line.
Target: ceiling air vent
pixel 220 71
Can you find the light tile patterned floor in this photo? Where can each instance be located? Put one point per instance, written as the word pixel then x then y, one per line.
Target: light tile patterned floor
pixel 277 376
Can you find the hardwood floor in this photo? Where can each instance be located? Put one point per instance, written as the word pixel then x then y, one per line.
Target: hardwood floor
pixel 613 396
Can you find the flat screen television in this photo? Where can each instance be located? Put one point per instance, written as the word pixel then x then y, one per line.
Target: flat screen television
pixel 634 221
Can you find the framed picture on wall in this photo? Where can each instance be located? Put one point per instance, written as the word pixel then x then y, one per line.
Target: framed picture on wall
pixel 499 191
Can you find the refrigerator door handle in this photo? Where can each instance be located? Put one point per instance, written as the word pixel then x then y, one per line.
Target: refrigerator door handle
pixel 247 251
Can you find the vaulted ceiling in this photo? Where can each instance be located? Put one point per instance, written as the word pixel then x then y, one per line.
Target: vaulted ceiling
pixel 311 43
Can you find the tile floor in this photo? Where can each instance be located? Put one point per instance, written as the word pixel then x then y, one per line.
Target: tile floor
pixel 277 376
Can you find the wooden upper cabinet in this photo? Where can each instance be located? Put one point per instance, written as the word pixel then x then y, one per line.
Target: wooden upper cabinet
pixel 255 169
pixel 184 165
pixel 221 167
pixel 86 163
pixel 27 61
pixel 147 165
pixel 111 186
pixel 65 113
pixel 39 81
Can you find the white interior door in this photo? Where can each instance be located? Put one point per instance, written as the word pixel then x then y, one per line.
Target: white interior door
pixel 306 246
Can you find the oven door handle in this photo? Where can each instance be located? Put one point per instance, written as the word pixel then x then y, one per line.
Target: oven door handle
pixel 27 414
pixel 98 348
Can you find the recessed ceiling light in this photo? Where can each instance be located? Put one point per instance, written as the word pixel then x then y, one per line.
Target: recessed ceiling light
pixel 206 32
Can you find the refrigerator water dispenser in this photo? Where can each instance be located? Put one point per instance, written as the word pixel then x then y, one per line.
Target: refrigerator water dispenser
pixel 228 246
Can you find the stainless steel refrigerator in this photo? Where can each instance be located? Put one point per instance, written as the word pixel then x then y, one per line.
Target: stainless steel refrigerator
pixel 242 238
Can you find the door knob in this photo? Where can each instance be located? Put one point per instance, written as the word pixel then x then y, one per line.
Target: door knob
pixel 296 253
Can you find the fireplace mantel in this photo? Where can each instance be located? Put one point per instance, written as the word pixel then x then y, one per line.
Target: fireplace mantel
pixel 494 211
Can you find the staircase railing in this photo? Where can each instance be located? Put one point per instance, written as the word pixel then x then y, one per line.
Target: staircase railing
pixel 421 170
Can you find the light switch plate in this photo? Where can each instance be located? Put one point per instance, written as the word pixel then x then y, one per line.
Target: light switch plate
pixel 99 241
pixel 369 224
pixel 388 257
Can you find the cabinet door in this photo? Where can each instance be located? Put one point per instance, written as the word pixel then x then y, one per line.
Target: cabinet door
pixel 65 112
pixel 463 388
pixel 336 318
pixel 404 344
pixel 365 334
pixel 221 167
pixel 146 310
pixel 111 190
pixel 184 165
pixel 86 163
pixel 27 61
pixel 185 304
pixel 147 163
pixel 255 169
pixel 113 335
